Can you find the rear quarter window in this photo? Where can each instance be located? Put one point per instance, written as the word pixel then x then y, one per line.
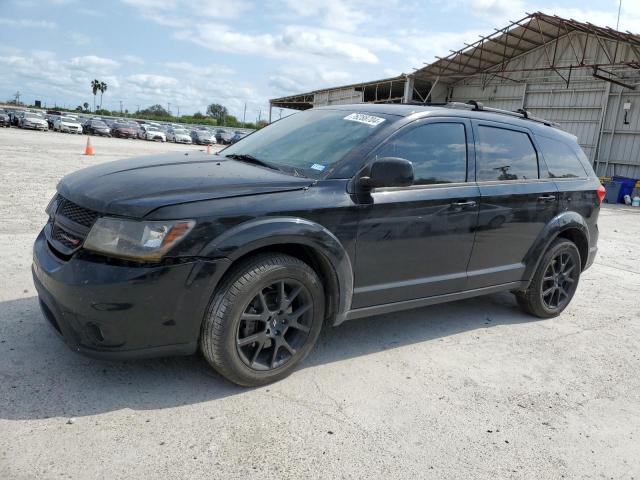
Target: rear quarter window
pixel 562 160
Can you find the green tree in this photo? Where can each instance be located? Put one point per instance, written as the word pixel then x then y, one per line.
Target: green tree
pixel 85 105
pixel 102 88
pixel 95 86
pixel 218 112
pixel 154 111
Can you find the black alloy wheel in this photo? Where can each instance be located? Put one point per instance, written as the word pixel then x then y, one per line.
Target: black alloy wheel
pixel 274 325
pixel 554 282
pixel 558 281
pixel 263 319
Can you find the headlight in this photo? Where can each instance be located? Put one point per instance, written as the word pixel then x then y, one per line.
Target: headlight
pixel 136 240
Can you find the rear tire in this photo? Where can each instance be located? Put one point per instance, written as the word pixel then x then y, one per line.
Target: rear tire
pixel 555 281
pixel 263 320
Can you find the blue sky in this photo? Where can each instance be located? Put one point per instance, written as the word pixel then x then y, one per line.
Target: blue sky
pixel 190 53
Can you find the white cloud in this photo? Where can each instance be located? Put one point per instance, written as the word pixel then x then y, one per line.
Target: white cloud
pixel 290 80
pixel 92 64
pixel 294 41
pixel 152 81
pixel 192 69
pixel 27 23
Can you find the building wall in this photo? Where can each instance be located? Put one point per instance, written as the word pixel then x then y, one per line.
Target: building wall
pixel 340 96
pixel 589 108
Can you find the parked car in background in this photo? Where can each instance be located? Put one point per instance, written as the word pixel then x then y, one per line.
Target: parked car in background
pixel 33 121
pixel 203 137
pixel 178 135
pixel 5 120
pixel 153 133
pixel 123 130
pixel 67 124
pixel 15 116
pixel 237 136
pixel 51 118
pixel 97 127
pixel 223 137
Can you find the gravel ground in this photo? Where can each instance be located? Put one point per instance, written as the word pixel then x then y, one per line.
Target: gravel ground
pixel 473 389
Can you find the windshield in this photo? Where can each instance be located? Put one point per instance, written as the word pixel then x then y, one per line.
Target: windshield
pixel 310 142
pixel 33 116
pixel 181 132
pixel 98 123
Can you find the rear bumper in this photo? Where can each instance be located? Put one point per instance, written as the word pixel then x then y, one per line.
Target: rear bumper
pixel 120 311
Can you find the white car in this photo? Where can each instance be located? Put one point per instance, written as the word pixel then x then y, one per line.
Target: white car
pixel 36 122
pixel 67 124
pixel 178 135
pixel 153 133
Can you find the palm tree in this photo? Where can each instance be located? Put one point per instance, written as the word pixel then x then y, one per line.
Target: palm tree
pixel 95 86
pixel 102 88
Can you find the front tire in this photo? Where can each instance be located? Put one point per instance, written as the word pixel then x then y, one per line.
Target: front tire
pixel 555 281
pixel 263 319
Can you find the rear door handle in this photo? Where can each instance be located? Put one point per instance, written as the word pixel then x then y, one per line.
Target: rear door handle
pixel 470 203
pixel 547 198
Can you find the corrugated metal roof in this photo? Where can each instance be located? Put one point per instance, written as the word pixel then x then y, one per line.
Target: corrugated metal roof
pixel 493 52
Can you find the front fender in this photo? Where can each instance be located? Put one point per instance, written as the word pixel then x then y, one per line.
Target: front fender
pixel 561 222
pixel 256 234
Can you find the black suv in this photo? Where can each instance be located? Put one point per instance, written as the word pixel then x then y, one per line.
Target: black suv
pixel 328 215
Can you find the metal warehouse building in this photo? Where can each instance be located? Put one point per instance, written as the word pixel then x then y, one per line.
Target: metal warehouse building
pixel 576 74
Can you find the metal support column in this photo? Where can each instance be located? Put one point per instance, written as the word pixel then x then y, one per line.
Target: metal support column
pixel 408 89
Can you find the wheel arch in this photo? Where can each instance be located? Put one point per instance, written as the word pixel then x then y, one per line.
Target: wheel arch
pixel 569 225
pixel 308 241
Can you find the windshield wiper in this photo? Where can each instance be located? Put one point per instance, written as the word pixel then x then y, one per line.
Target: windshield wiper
pixel 245 157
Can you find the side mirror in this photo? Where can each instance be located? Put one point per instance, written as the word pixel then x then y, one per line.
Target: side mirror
pixel 386 172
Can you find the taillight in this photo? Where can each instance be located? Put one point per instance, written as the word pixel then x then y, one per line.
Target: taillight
pixel 601 193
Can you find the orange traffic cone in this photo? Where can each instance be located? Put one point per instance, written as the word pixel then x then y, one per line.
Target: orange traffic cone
pixel 88 150
pixel 209 149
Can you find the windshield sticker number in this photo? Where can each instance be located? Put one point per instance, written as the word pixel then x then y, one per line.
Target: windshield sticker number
pixel 366 119
pixel 317 166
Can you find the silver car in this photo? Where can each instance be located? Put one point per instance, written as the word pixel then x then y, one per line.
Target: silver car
pixel 33 121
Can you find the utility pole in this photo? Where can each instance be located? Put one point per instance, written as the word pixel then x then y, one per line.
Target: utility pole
pixel 280 114
pixel 259 116
pixel 17 97
pixel 169 108
pixel 178 107
pixel 120 107
pixel 618 21
pixel 138 108
pixel 244 115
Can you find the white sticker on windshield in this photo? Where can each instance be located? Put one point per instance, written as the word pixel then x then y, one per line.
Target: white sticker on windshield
pixel 317 166
pixel 363 118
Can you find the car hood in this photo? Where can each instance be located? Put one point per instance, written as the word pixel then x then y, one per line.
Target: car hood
pixel 69 123
pixel 135 187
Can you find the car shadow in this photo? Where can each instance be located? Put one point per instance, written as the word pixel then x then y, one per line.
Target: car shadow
pixel 41 378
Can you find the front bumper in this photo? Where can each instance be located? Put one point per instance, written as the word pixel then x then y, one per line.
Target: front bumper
pixel 32 126
pixel 70 129
pixel 122 310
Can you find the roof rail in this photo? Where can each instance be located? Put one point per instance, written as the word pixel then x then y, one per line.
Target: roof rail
pixel 479 107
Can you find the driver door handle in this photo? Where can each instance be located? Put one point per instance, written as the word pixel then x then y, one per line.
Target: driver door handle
pixel 470 203
pixel 547 198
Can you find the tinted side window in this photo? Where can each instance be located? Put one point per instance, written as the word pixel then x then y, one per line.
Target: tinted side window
pixel 504 154
pixel 561 160
pixel 438 152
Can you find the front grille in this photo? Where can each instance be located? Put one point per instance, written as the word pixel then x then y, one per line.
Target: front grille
pixel 76 213
pixel 67 239
pixel 69 225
